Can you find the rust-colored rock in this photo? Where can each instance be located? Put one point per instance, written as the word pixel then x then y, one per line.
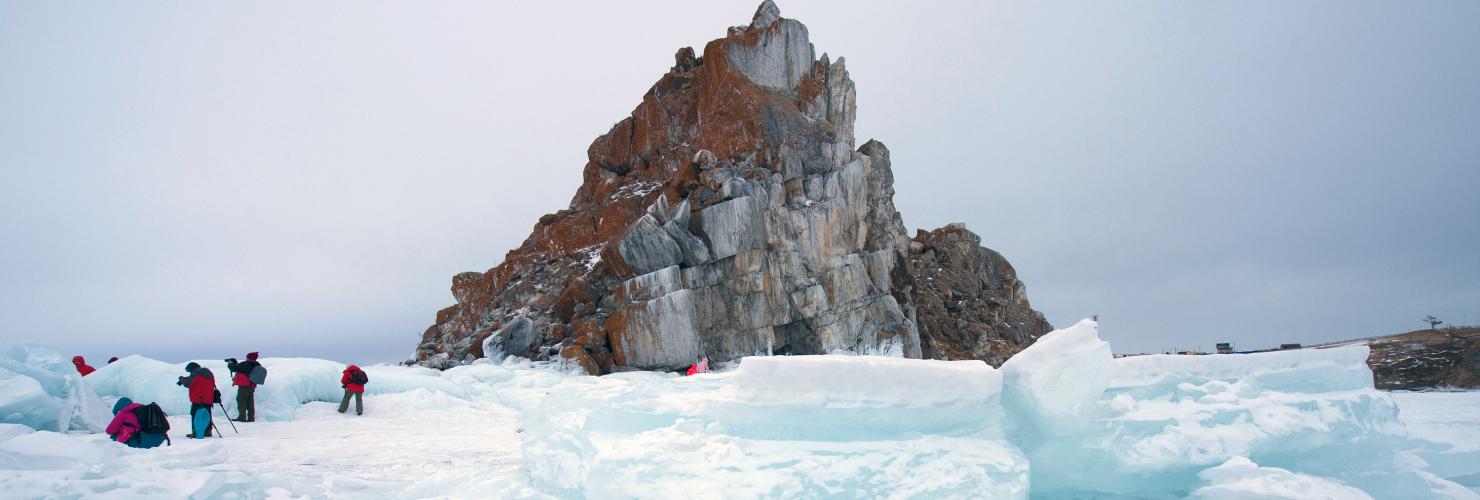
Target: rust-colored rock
pixel 579 356
pixel 578 291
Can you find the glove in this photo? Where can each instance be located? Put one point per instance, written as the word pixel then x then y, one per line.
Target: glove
pixel 342 386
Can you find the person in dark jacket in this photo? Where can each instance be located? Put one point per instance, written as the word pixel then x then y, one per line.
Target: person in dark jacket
pixel 202 385
pixel 353 388
pixel 241 377
pixel 82 366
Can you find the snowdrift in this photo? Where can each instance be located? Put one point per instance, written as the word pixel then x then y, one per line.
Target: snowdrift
pixel 1061 419
pixel 45 464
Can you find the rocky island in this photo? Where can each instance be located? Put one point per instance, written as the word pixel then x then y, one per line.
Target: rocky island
pixel 733 214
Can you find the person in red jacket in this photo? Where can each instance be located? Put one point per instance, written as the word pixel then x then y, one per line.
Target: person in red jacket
pixel 353 381
pixel 246 391
pixel 202 385
pixel 82 366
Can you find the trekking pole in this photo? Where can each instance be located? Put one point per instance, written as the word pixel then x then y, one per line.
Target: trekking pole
pixel 228 419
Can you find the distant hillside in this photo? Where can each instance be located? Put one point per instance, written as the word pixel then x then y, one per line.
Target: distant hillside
pixel 1427 359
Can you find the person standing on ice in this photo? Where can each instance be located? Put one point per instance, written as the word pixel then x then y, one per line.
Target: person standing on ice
pixel 246 386
pixel 353 381
pixel 82 366
pixel 202 385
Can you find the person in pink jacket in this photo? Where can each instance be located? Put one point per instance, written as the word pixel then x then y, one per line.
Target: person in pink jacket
pixel 701 367
pixel 125 423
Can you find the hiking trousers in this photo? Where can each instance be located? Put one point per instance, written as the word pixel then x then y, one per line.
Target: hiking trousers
pixel 359 402
pixel 246 404
pixel 194 407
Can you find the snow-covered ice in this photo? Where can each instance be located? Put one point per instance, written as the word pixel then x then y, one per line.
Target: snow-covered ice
pixel 41 389
pixel 1241 479
pixel 1061 419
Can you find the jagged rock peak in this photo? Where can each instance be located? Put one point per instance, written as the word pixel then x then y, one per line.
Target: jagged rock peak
pixel 766 14
pixel 728 215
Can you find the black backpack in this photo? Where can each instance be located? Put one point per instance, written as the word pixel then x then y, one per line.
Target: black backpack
pixel 153 420
pixel 359 377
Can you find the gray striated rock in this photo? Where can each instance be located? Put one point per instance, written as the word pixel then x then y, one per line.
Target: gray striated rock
pixel 514 339
pixel 647 247
pixel 731 215
pixel 657 333
pixel 694 250
pixel 733 226
pixel 781 55
pixel 765 14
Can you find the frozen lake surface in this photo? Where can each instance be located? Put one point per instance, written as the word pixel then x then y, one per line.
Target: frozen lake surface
pixel 1062 419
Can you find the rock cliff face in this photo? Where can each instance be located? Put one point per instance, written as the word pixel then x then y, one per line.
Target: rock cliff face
pixel 731 215
pixel 969 302
pixel 1447 358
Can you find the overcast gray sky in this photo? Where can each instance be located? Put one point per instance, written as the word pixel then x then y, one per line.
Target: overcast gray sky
pixel 184 179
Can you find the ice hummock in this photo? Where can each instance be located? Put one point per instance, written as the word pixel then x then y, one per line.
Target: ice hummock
pixel 1241 479
pixel 1061 419
pixel 41 389
pixel 1054 382
pixel 781 426
pixel 1147 425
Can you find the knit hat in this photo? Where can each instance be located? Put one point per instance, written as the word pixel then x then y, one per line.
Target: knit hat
pixel 192 367
pixel 251 356
pixel 121 404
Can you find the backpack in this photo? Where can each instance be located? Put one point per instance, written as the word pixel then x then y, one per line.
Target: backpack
pixel 359 377
pixel 258 376
pixel 152 420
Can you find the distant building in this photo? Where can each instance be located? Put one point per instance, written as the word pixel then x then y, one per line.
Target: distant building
pixel 1225 348
pixel 1286 347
